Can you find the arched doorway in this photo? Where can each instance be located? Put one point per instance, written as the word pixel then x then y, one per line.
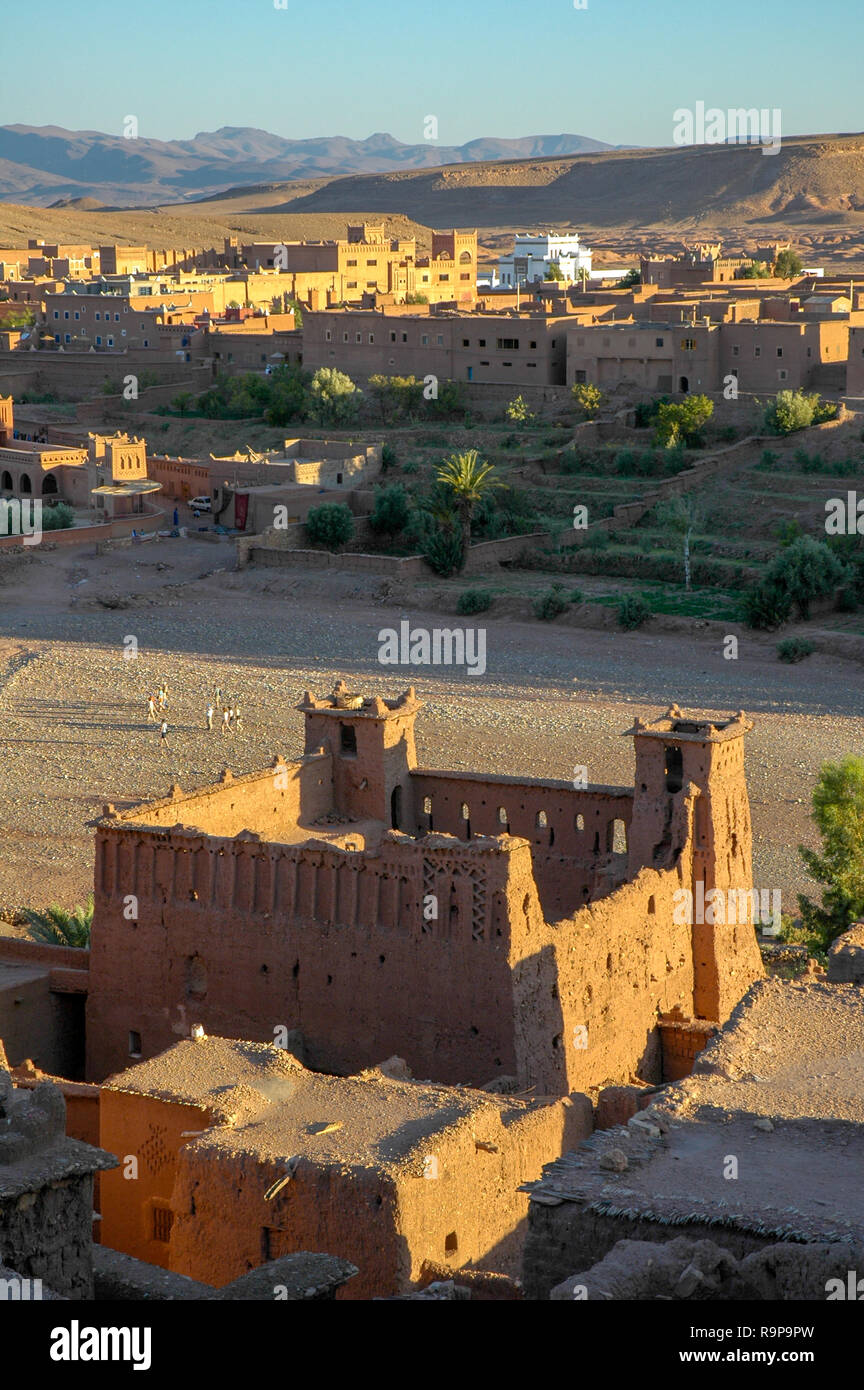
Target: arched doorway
pixel 49 485
pixel 25 484
pixel 6 481
pixel 684 385
pixel 396 808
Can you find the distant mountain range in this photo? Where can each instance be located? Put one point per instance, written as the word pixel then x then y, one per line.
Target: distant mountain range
pixel 47 166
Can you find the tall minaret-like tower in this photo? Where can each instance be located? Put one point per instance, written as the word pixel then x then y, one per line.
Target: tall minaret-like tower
pixel 675 754
pixel 373 750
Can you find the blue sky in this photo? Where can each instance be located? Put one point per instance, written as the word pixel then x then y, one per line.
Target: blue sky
pixel 615 71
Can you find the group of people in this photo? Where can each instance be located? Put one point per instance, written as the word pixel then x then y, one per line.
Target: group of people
pixel 230 718
pixel 156 705
pixel 229 721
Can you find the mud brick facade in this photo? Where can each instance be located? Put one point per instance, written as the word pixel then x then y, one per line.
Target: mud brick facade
pixel 477 926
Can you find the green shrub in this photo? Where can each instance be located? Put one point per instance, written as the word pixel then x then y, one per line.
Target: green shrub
pixel 788 531
pixel 588 398
pixel 766 606
pixel 576 596
pixel 598 539
pixel 443 552
pixel 474 601
pixel 58 518
pixel 391 511
pixel 330 526
pixel 646 411
pixel 804 570
pixel 388 457
pixel 518 413
pixel 807 570
pixel 682 422
pixel 790 411
pixel 550 604
pixel 794 649
pixel 633 611
pixel 334 397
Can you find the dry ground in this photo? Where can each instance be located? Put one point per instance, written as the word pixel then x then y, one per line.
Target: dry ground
pixel 73 730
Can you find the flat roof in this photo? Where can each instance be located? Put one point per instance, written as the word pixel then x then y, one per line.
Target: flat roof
pixel 781 1088
pixel 266 1102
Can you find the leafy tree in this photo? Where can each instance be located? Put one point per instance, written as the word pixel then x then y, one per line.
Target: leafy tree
pixel 802 571
pixel 518 413
pixel 58 927
pixel 683 515
pixel 787 265
pixel 553 271
pixel 790 411
pixel 633 277
pixel 416 298
pixel 58 518
pixel 589 398
pixel 467 479
pixel 19 318
pixel 756 270
pixel 182 403
pixel 330 526
pixel 391 512
pixel 838 810
pixel 288 396
pixel 681 422
pixel 396 396
pixel 766 606
pixel 807 570
pixel 335 398
pixel 449 401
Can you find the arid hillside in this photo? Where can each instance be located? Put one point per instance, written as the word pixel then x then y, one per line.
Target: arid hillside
pixel 624 201
pixel 809 181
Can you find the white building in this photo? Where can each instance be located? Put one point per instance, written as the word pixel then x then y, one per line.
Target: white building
pixel 534 252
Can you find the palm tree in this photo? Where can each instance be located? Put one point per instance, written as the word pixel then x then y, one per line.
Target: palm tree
pixel 58 927
pixel 468 480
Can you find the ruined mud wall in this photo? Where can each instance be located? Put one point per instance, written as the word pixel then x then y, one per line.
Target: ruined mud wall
pixel 247 939
pixel 571 832
pixel 47 1234
pixel 566 1239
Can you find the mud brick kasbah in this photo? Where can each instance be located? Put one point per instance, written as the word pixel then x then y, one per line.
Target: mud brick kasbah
pixel 477 926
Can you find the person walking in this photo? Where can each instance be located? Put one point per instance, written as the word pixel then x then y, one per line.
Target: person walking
pixel 238 723
pixel 226 725
pixel 151 709
pixel 163 734
pixel 209 716
pixel 217 696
